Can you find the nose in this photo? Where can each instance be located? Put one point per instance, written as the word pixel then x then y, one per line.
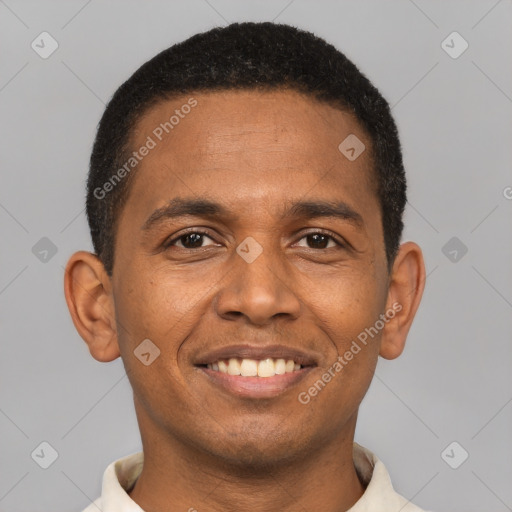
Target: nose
pixel 258 292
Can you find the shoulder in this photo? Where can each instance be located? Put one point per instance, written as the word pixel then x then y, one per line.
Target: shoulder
pixel 379 493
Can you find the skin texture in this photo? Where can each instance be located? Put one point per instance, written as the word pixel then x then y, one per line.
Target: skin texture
pixel 255 153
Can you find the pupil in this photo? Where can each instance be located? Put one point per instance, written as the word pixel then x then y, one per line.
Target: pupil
pixel 318 241
pixel 192 240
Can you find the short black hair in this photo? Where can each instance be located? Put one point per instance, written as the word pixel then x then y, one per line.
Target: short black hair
pixel 243 56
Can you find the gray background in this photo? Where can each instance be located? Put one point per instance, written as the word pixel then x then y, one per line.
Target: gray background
pixel 453 381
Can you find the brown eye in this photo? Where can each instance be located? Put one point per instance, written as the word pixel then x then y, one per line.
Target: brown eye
pixel 318 241
pixel 192 240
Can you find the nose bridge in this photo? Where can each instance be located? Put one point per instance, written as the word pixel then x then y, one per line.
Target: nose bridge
pixel 262 275
pixel 257 287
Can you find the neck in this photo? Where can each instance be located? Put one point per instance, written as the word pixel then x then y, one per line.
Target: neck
pixel 178 477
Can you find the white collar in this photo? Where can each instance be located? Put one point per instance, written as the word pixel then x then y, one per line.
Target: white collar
pixel 121 475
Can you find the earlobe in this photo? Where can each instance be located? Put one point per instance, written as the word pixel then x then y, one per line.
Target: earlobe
pixel 87 289
pixel 406 286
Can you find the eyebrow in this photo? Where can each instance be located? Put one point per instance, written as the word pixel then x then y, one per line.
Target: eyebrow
pixel 201 207
pixel 319 208
pixel 179 207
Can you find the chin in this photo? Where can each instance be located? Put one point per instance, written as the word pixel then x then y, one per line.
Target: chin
pixel 257 451
pixel 253 459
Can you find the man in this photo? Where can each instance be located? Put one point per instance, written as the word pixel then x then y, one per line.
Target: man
pixel 245 201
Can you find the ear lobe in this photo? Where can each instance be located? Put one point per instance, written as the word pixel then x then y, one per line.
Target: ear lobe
pixel 406 286
pixel 87 289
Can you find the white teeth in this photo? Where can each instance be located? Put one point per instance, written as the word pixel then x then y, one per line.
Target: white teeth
pixel 280 366
pixel 252 367
pixel 233 367
pixel 266 368
pixel 249 368
pixel 290 366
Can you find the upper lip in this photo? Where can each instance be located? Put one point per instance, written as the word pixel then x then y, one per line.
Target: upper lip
pixel 257 352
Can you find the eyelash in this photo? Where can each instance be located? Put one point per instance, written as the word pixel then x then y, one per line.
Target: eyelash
pixel 170 243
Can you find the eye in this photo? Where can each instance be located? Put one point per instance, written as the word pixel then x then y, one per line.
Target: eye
pixel 191 240
pixel 319 241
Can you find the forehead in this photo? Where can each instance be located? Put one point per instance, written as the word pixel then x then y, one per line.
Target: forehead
pixel 236 119
pixel 248 146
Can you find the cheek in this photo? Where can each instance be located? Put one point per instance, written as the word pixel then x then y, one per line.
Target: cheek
pixel 148 307
pixel 344 311
pixel 137 296
pixel 158 304
pixel 347 303
pixel 352 308
pixel 143 295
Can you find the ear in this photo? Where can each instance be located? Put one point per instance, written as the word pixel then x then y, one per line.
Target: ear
pixel 88 292
pixel 406 285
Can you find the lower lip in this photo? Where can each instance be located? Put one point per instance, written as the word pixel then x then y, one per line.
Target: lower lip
pixel 256 387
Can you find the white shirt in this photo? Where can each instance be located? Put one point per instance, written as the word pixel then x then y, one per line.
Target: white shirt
pixel 379 495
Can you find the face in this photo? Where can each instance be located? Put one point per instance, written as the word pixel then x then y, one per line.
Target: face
pixel 248 235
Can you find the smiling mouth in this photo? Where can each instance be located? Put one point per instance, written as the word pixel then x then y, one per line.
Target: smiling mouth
pixel 263 368
pixel 255 378
pixel 256 371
